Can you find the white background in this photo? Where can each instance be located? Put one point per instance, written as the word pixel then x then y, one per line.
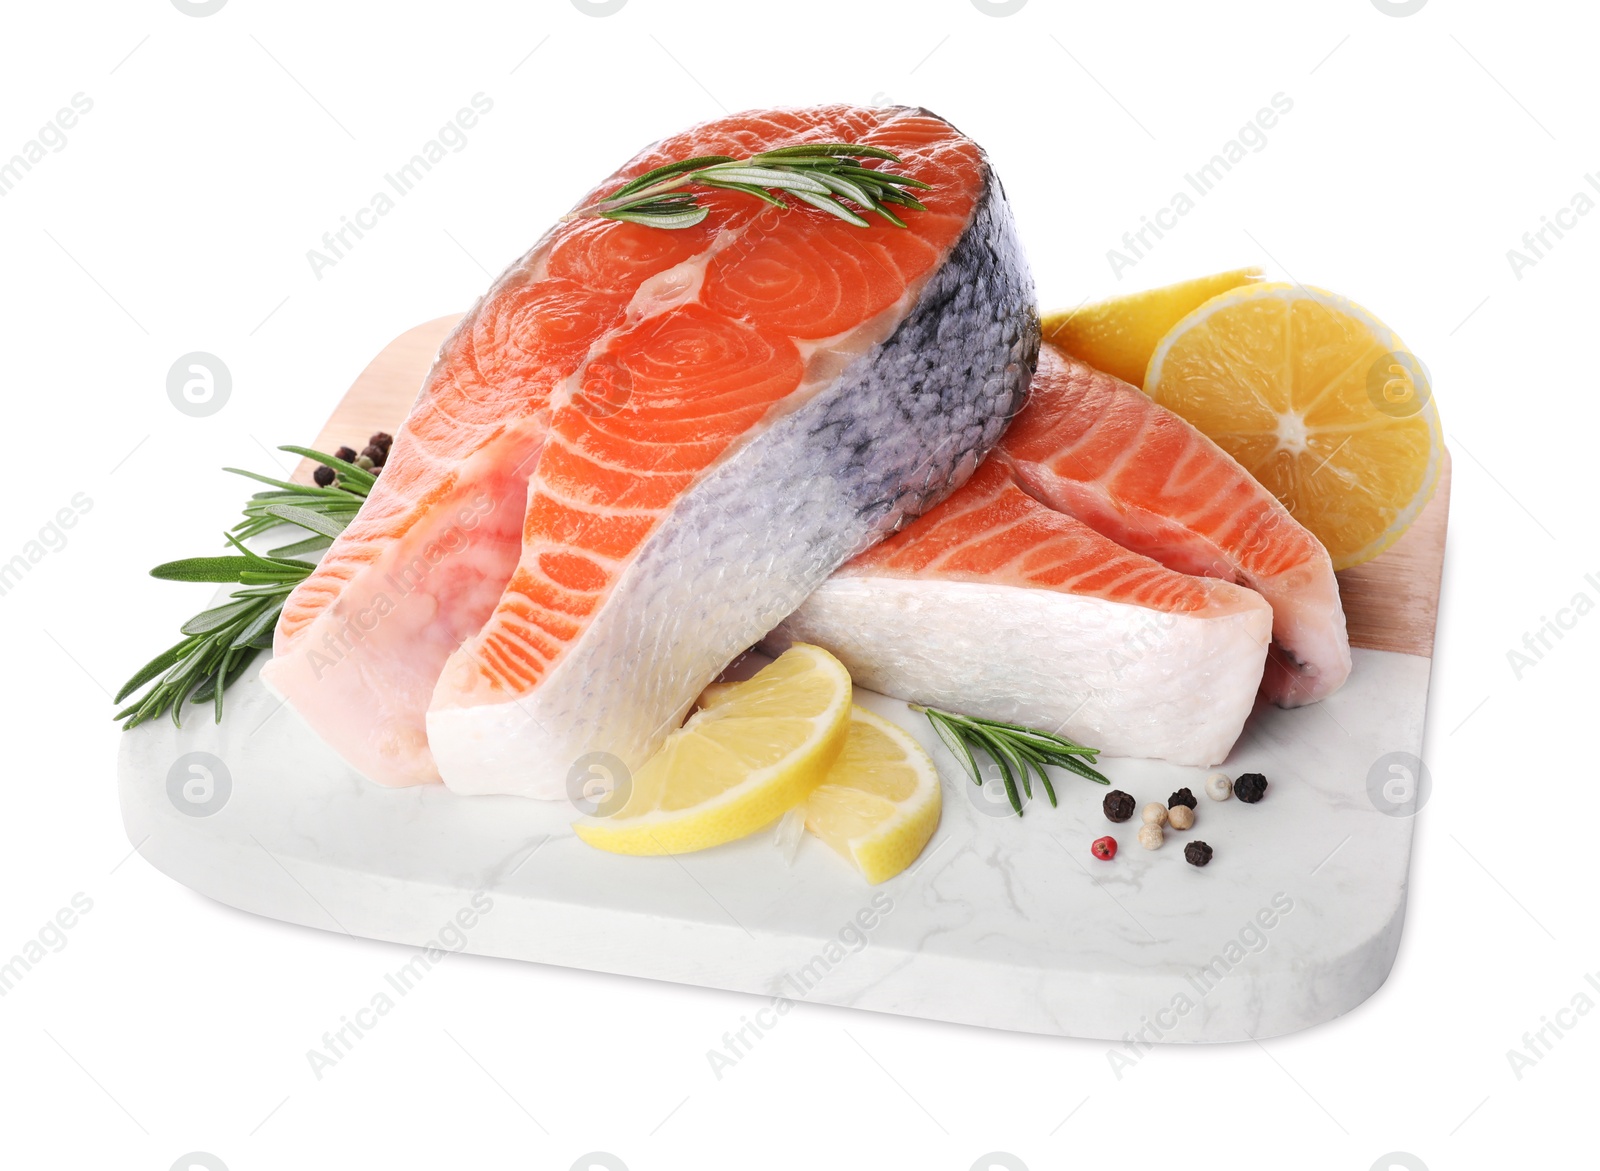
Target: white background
pixel 177 218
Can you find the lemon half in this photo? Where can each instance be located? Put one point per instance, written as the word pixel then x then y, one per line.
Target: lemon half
pixel 1318 399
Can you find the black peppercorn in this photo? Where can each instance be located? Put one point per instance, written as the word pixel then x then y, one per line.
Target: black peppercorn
pixel 1249 787
pixel 348 454
pixel 376 454
pixel 1181 797
pixel 1197 853
pixel 1118 805
pixel 323 476
pixel 381 439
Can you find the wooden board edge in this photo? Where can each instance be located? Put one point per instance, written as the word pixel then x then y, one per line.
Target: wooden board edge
pixel 1397 593
pixel 369 406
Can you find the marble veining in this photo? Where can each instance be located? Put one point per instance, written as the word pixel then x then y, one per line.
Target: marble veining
pixel 1004 922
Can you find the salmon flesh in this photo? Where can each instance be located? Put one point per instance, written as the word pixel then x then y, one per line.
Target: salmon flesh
pixel 1098 449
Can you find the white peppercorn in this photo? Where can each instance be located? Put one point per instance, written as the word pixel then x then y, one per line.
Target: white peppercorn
pixel 1150 836
pixel 1154 814
pixel 1219 786
pixel 1180 817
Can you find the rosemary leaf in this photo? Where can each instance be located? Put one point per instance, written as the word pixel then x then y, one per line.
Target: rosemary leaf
pixel 1038 761
pixel 309 545
pixel 953 741
pixel 832 207
pixel 351 477
pixel 1002 761
pixel 1005 754
pixel 796 181
pixel 264 621
pixel 650 178
pixel 1072 764
pixel 306 518
pixel 830 148
pixel 748 189
pixel 1049 789
pixel 219 616
pixel 685 219
pixel 899 198
pixel 877 175
pixel 149 671
pixel 839 185
pixel 214 569
pixel 217 684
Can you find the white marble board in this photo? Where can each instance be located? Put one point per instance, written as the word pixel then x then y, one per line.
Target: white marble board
pixel 1004 922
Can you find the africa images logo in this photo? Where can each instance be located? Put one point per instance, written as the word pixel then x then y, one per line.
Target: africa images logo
pixel 199 384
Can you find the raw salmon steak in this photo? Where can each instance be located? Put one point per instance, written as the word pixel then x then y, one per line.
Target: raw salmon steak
pixel 1109 573
pixel 994 605
pixel 643 447
pixel 1094 447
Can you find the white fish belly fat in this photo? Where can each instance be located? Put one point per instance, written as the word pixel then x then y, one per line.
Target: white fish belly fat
pixel 1123 678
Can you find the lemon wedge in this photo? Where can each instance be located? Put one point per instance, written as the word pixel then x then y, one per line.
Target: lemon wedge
pixel 1119 335
pixel 880 803
pixel 1318 399
pixel 736 765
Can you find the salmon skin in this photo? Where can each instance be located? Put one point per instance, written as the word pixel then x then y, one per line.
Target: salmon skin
pixel 994 605
pixel 643 447
pixel 1094 447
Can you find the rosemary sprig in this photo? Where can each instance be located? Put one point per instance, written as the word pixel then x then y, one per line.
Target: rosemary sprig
pixel 321 511
pixel 219 643
pixel 823 174
pixel 1019 752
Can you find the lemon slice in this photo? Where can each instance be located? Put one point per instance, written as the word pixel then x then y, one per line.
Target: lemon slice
pixel 1319 400
pixel 737 765
pixel 880 803
pixel 1119 335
